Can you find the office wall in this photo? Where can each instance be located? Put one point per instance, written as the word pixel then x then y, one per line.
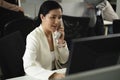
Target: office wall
pixel 72 7
pixel 31 7
pixel 118 7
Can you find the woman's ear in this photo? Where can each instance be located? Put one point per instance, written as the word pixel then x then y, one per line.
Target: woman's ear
pixel 42 17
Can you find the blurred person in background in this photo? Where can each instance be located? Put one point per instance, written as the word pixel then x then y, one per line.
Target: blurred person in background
pixel 9 11
pixel 101 8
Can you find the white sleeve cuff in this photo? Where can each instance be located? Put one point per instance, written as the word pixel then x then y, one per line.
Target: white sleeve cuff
pixel 61 45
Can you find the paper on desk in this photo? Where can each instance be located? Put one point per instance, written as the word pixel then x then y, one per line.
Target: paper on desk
pixel 108 22
pixel 61 70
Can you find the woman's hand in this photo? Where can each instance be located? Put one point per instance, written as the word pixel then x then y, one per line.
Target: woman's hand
pixel 61 39
pixel 56 76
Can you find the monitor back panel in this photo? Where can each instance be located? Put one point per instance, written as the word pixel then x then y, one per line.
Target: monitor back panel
pixel 93 52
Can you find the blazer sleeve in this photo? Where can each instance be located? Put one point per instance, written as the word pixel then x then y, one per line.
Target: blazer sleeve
pixel 109 13
pixel 31 66
pixel 63 53
pixel 9 6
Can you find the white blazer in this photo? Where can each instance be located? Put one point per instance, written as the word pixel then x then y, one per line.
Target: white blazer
pixel 38 59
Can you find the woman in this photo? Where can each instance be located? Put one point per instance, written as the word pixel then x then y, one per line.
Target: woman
pixel 44 53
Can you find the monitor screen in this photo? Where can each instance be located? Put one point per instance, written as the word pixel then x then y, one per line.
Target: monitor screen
pixel 93 52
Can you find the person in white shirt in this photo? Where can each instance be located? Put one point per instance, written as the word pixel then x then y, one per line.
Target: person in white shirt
pixel 44 53
pixel 105 10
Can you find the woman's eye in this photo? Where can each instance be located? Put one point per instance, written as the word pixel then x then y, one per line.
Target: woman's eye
pixel 60 17
pixel 53 17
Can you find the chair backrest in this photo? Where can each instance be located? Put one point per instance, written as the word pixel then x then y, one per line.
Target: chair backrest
pixel 116 26
pixel 24 25
pixel 7 16
pixel 75 27
pixel 12 48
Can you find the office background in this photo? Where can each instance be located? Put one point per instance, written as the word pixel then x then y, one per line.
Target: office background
pixel 32 7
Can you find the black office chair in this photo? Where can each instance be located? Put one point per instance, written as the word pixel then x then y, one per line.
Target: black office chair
pixel 25 25
pixel 7 16
pixel 116 26
pixel 75 27
pixel 12 48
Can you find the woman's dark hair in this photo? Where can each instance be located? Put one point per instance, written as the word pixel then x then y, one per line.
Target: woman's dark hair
pixel 46 7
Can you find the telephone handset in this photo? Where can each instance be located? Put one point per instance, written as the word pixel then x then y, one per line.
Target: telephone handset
pixel 57 35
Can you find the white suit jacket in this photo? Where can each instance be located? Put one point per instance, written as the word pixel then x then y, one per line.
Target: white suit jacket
pixel 108 12
pixel 38 59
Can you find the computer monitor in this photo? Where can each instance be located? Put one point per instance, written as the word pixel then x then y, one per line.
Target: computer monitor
pixel 107 73
pixel 93 53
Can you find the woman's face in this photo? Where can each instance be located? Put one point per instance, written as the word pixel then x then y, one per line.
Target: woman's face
pixel 52 20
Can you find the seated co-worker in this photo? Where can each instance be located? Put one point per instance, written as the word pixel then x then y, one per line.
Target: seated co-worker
pixel 10 6
pixel 8 12
pixel 9 9
pixel 44 53
pixel 99 8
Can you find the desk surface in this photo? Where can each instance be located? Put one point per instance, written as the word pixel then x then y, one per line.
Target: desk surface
pixel 23 78
pixel 31 78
